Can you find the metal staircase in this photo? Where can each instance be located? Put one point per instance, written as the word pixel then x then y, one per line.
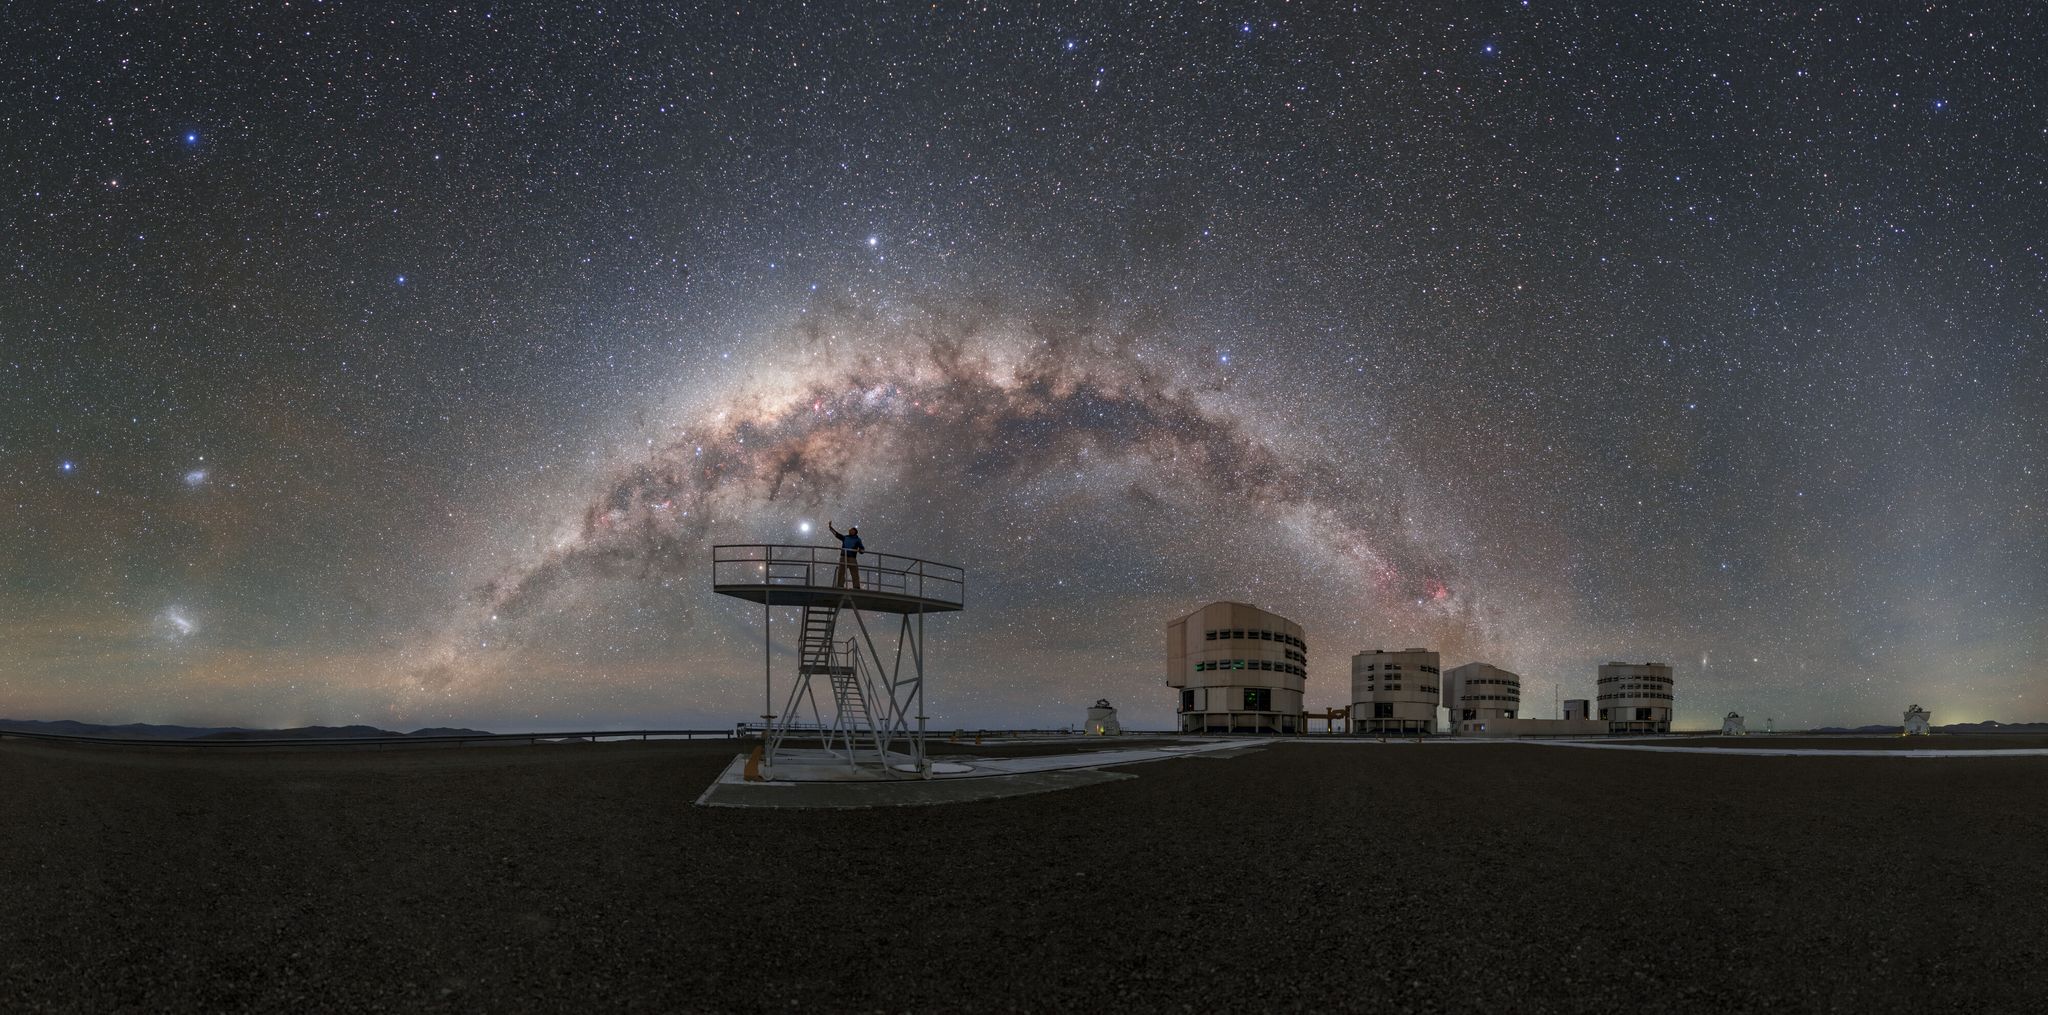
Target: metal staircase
pixel 851 709
pixel 814 654
pixel 820 655
pixel 874 720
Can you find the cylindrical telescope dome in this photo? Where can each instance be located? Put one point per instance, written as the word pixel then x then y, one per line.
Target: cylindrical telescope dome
pixel 1239 669
pixel 1635 697
pixel 1477 693
pixel 1395 691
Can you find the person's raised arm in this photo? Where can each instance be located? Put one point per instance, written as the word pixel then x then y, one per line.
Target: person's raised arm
pixel 836 534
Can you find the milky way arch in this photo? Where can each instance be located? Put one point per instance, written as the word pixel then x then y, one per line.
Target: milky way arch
pixel 963 417
pixel 967 408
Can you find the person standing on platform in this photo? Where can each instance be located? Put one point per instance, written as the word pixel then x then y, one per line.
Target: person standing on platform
pixel 850 549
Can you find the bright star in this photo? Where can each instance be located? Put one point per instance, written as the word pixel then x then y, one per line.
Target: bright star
pixel 874 241
pixel 401 280
pixel 66 466
pixel 192 137
pixel 804 527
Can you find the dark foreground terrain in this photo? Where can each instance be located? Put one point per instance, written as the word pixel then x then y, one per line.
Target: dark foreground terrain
pixel 1854 742
pixel 1384 877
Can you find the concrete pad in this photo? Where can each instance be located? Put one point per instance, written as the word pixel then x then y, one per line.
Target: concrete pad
pixel 802 778
pixel 898 793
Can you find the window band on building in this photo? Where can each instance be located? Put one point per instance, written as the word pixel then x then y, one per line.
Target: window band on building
pixel 1239 669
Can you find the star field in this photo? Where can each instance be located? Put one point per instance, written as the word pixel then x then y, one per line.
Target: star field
pixel 401 366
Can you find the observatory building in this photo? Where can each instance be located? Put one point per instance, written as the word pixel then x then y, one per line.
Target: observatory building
pixel 1918 722
pixel 1636 697
pixel 1395 692
pixel 1102 719
pixel 1478 693
pixel 1486 701
pixel 1733 726
pixel 1239 670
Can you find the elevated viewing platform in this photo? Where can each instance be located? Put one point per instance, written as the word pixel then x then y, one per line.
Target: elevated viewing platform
pixel 783 574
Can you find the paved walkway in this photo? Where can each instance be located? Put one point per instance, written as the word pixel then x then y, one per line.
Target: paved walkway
pixel 1104 758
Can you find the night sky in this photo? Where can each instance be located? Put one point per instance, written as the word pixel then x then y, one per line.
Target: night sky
pixel 401 368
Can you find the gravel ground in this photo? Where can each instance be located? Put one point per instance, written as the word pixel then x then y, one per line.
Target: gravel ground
pixel 1957 742
pixel 1391 877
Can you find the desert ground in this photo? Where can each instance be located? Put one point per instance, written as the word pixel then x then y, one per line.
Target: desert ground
pixel 1845 741
pixel 1391 877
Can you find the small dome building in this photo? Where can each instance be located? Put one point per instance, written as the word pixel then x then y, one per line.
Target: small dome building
pixel 1918 722
pixel 1102 719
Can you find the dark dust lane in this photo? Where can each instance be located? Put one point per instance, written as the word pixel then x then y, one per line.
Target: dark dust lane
pixel 1395 877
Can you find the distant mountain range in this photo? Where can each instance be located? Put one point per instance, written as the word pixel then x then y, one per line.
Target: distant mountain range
pixel 1988 726
pixel 146 731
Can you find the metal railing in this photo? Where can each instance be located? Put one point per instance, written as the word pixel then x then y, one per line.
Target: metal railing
pixel 396 740
pixel 811 731
pixel 797 565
